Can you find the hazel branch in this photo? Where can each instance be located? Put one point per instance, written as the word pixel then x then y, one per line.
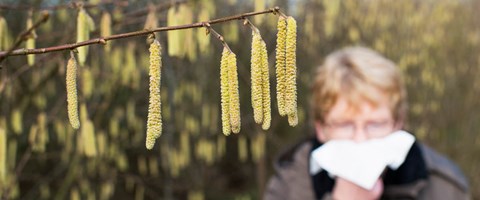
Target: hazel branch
pixel 72 4
pixel 103 40
pixel 24 36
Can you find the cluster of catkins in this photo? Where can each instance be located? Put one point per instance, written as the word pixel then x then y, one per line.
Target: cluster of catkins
pixel 85 25
pixel 286 79
pixel 230 103
pixel 286 69
pixel 260 81
pixel 229 93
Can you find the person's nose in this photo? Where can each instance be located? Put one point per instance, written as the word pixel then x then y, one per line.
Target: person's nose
pixel 360 134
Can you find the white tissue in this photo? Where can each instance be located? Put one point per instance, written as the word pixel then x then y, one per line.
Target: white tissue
pixel 362 163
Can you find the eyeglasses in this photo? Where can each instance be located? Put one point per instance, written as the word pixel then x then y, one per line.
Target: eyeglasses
pixel 372 128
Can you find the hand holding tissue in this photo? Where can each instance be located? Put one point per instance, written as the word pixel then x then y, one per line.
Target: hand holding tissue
pixel 362 163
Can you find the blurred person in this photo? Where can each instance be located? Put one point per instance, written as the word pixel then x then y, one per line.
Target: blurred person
pixel 358 95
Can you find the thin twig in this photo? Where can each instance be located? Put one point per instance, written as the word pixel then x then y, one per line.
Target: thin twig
pixel 280 13
pixel 102 40
pixel 250 24
pixel 24 36
pixel 72 4
pixel 217 35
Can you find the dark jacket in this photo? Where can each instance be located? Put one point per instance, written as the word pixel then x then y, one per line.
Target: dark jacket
pixel 425 174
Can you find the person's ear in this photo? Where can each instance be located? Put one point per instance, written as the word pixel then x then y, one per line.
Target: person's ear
pixel 319 132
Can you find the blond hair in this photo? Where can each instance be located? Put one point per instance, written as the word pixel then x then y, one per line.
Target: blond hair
pixel 357 73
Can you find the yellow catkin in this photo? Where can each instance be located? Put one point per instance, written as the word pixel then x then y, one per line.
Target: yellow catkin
pixel 142 165
pixel 30 44
pixel 291 67
pixel 42 135
pixel 151 22
pixel 259 6
pixel 4 34
pixel 154 122
pixel 74 194
pixel 88 138
pixel 258 147
pixel 72 100
pixel 280 63
pixel 221 146
pixel 234 95
pixel 231 33
pixel 106 28
pixel 267 110
pixel 202 38
pixel 44 191
pixel 153 166
pixel 17 121
pixel 175 163
pixel 195 195
pixel 121 161
pixel 106 190
pixel 183 15
pixel 256 77
pixel 60 130
pixel 80 149
pixel 224 91
pixel 129 66
pixel 102 143
pixel 85 24
pixel 3 156
pixel 242 149
pixel 32 137
pixel 82 28
pixel 185 146
pixel 293 118
pixel 12 154
pixel 189 42
pixel 88 83
pixel 172 36
pixel 205 116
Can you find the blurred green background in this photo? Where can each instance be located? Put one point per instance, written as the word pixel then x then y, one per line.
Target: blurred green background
pixel 436 43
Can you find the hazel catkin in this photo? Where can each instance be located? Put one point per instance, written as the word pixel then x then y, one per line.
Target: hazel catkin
pixel 291 68
pixel 242 149
pixel 224 92
pixel 30 43
pixel 267 111
pixel 85 25
pixel 280 63
pixel 16 121
pixel 234 96
pixel 3 155
pixel 154 122
pixel 256 77
pixel 5 40
pixel 106 28
pixel 260 81
pixel 71 83
pixel 88 138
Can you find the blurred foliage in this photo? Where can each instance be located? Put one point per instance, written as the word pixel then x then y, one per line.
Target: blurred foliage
pixel 435 43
